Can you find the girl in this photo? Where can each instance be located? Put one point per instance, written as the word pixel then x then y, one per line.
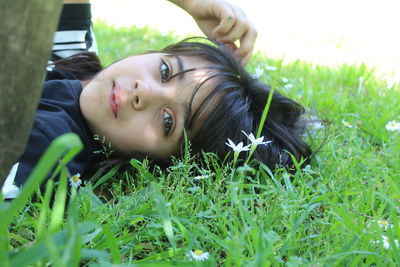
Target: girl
pixel 142 105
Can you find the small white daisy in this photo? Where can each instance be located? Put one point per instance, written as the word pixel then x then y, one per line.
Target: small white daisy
pixel 239 147
pixel 199 255
pixel 317 125
pixel 75 180
pixel 386 242
pixel 270 68
pixel 347 124
pixel 202 177
pixel 288 86
pixel 384 224
pixel 254 141
pixel 307 169
pixel 393 126
pixel 259 71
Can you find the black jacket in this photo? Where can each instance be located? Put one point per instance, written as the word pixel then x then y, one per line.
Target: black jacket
pixel 58 113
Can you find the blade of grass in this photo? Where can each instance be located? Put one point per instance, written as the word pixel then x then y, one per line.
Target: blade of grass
pixel 162 256
pixel 72 252
pixel 107 176
pixel 44 210
pixel 112 244
pixel 53 252
pixel 40 250
pixel 163 212
pixel 57 213
pixel 61 145
pixel 68 143
pixel 265 112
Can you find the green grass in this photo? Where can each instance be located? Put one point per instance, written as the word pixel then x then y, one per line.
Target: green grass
pixel 322 215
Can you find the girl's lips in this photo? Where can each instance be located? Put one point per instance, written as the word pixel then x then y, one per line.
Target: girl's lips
pixel 115 99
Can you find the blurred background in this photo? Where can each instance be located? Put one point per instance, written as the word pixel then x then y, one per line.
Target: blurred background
pixel 323 32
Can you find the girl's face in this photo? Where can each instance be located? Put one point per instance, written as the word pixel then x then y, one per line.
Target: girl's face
pixel 138 108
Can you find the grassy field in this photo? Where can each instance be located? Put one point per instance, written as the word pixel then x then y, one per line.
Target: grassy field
pixel 342 210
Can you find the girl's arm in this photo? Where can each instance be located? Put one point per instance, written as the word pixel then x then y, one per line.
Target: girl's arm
pixel 217 19
pixel 223 21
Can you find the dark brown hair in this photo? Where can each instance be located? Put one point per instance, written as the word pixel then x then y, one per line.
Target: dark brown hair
pixel 241 101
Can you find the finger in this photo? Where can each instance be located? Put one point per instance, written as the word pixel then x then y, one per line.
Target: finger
pixel 238 29
pixel 227 21
pixel 231 46
pixel 245 59
pixel 246 44
pixel 236 33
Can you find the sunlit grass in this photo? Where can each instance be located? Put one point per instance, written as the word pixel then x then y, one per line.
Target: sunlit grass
pixel 325 214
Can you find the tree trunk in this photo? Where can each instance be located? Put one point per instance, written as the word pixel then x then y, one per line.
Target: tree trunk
pixel 26 34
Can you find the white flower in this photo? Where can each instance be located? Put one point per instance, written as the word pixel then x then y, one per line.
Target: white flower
pixel 259 71
pixel 288 86
pixel 393 126
pixel 199 255
pixel 386 242
pixel 307 169
pixel 317 125
pixel 75 180
pixel 347 124
pixel 285 80
pixel 239 147
pixel 383 224
pixel 202 177
pixel 270 67
pixel 254 141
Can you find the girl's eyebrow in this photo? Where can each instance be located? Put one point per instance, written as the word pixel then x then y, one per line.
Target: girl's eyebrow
pixel 180 67
pixel 180 64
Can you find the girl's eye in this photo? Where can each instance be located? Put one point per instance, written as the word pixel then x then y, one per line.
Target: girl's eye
pixel 165 71
pixel 168 123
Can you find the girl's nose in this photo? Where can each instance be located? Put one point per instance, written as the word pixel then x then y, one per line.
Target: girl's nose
pixel 144 94
pixel 137 103
pixel 138 95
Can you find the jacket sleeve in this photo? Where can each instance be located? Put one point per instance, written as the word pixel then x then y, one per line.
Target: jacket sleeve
pixel 75 32
pixel 37 143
